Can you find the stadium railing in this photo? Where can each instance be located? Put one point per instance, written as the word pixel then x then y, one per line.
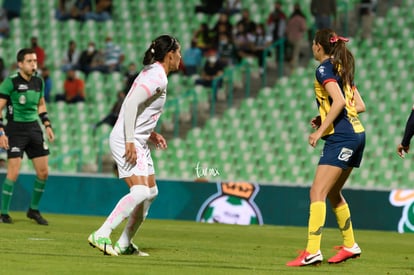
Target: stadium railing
pixel 280 55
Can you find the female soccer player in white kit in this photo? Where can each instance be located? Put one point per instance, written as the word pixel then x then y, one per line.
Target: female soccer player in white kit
pixel 129 145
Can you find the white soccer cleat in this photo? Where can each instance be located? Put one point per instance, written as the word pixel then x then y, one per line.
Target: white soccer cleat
pixel 132 249
pixel 102 243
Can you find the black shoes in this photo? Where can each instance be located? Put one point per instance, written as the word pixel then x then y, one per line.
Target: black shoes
pixel 35 215
pixel 31 214
pixel 5 218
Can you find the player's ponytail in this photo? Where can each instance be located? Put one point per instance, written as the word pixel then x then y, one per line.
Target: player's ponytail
pixel 342 58
pixel 159 49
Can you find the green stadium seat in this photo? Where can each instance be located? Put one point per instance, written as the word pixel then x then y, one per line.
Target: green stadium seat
pixel 286 106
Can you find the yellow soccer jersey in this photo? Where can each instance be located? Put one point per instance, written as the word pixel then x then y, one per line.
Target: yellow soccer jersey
pixel 347 121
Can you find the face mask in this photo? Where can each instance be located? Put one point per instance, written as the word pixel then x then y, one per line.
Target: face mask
pixel 91 49
pixel 212 59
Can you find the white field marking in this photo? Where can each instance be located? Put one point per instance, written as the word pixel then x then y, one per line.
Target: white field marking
pixel 40 239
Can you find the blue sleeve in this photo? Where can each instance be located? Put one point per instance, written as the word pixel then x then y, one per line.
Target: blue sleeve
pixel 409 130
pixel 325 72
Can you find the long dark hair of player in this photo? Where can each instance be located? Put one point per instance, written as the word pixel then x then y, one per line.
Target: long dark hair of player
pixel 159 48
pixel 341 57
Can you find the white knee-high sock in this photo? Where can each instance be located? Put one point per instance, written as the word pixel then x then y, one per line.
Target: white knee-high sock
pixel 136 195
pixel 136 218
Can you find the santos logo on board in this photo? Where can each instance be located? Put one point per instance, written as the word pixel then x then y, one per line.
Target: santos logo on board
pixel 232 204
pixel 405 199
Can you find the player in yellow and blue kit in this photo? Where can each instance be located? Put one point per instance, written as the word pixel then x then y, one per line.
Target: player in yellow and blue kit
pixel 339 103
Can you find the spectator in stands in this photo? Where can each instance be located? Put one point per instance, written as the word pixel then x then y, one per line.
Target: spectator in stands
pixel 113 56
pixel 223 25
pixel 242 43
pixel 13 8
pixel 295 32
pixel 14 67
pixel 73 89
pixel 192 58
pixel 212 69
pixel 71 57
pixel 366 13
pixel 276 22
pixel 276 25
pixel 231 7
pixel 4 24
pixel 47 80
pixel 102 12
pixel 40 53
pixel 86 62
pixel 202 36
pixel 111 118
pixel 130 76
pixel 259 41
pixel 209 7
pixel 339 103
pixel 80 10
pixel 226 49
pixel 3 70
pixel 249 25
pixel 64 10
pixel 404 146
pixel 323 11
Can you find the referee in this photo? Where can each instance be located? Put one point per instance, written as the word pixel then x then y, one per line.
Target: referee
pixel 23 94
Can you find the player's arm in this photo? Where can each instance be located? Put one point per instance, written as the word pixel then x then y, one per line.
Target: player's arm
pixel 158 140
pixel 6 88
pixel 3 102
pixel 359 102
pixel 404 147
pixel 44 117
pixel 4 141
pixel 316 122
pixel 137 96
pixel 338 104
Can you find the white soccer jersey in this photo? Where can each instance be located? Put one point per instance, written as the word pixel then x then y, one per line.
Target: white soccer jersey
pixel 152 80
pixel 150 88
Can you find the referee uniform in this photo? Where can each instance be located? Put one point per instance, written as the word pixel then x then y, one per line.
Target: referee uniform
pixel 24 135
pixel 23 129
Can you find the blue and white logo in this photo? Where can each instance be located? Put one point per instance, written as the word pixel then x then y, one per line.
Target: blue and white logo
pixel 345 154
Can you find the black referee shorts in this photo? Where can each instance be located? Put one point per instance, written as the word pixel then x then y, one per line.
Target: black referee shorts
pixel 25 137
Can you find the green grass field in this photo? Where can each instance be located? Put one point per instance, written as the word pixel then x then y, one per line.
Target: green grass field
pixel 178 247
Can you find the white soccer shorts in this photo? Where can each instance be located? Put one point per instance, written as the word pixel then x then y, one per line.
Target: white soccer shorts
pixel 144 165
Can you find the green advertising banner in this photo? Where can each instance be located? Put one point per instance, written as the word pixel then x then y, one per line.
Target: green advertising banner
pixel 224 202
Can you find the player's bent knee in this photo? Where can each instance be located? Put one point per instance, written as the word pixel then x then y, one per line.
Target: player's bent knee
pixel 140 192
pixel 42 174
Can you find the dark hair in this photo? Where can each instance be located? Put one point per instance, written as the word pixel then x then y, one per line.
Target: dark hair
pixel 22 53
pixel 159 48
pixel 341 57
